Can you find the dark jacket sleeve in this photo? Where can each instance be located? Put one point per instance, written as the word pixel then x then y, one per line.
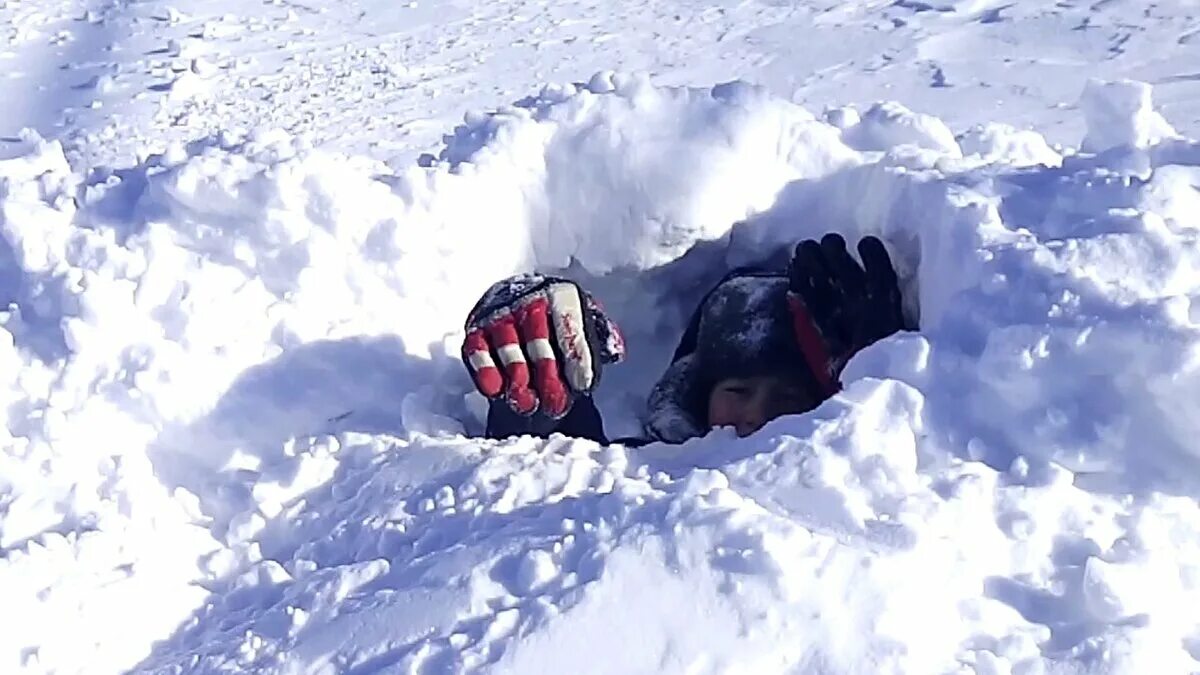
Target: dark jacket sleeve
pixel 583 421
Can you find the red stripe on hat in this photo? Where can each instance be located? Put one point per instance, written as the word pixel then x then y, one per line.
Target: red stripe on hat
pixel 812 345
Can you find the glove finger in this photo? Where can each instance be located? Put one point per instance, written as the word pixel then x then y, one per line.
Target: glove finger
pixel 566 310
pixel 502 331
pixel 810 277
pixel 822 298
pixel 847 273
pixel 882 284
pixel 477 354
pixel 534 322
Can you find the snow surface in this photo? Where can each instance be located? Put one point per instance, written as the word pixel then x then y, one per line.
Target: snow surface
pixel 116 79
pixel 238 438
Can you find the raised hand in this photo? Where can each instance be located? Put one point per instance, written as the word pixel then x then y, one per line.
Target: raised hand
pixel 550 338
pixel 839 306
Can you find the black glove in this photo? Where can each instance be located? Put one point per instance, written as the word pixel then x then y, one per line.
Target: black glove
pixel 839 306
pixel 550 322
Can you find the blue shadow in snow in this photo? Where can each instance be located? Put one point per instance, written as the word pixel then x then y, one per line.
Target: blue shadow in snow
pixel 328 387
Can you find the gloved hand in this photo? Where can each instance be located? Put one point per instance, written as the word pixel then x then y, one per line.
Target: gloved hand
pixel 839 306
pixel 547 320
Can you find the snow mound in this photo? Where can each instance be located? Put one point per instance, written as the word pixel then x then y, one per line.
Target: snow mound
pixel 236 402
pixel 1121 114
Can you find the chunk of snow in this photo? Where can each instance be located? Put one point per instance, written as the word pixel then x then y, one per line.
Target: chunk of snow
pixel 1121 114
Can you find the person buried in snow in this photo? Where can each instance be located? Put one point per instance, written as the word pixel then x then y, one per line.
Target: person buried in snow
pixel 761 344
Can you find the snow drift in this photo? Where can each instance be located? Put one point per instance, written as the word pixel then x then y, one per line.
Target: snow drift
pixel 234 401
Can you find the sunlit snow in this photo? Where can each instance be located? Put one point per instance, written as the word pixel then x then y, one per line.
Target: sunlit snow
pixel 238 244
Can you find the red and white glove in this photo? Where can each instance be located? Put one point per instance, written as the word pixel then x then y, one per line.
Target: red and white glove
pixel 538 342
pixel 839 306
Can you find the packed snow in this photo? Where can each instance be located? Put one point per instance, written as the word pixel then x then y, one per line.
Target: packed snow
pixel 235 262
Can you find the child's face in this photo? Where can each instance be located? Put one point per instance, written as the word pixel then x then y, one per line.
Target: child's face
pixel 747 403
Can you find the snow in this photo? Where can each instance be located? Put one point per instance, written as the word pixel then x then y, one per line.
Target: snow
pixel 1121 114
pixel 237 252
pixel 388 79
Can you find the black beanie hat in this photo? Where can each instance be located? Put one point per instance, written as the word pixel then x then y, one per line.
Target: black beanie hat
pixel 745 329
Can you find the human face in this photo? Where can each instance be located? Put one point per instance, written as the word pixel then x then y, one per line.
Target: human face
pixel 747 403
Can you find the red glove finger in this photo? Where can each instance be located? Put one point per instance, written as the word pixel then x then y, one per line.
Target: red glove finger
pixel 477 354
pixel 534 322
pixel 502 330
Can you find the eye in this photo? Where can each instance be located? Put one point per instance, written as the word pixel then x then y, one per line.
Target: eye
pixel 736 389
